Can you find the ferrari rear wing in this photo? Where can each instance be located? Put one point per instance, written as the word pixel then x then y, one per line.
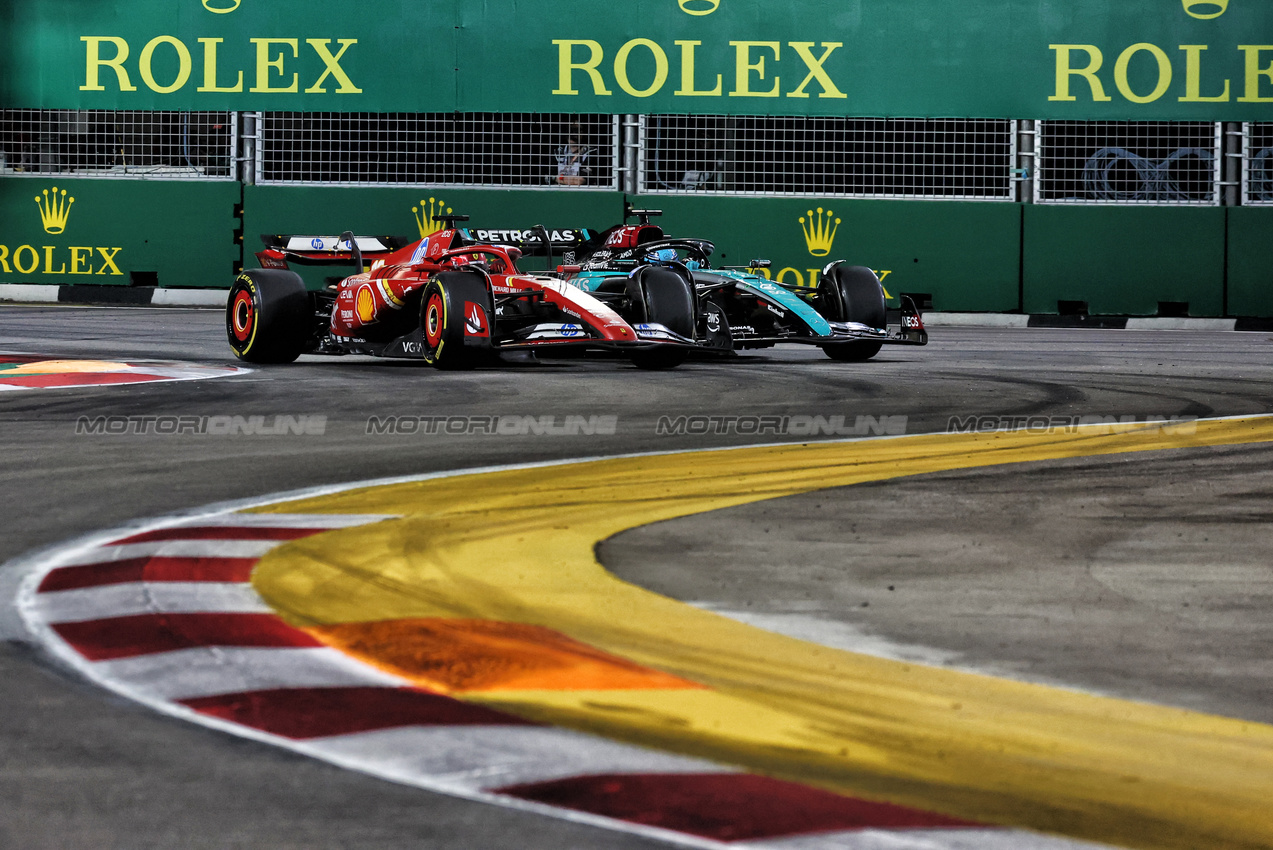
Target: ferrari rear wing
pixel 346 249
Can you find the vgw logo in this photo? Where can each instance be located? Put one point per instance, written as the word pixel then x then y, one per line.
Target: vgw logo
pixel 55 213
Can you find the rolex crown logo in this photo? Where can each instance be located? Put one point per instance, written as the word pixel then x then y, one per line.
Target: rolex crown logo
pixel 698 7
pixel 424 216
pixel 55 209
pixel 819 233
pixel 1205 9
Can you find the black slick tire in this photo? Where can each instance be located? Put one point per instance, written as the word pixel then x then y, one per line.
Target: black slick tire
pixel 268 316
pixel 852 294
pixel 661 296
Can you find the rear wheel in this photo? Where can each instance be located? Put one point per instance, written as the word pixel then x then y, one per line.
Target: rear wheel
pixel 268 317
pixel 661 296
pixel 852 294
pixel 455 320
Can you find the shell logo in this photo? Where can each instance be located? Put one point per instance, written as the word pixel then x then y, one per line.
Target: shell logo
pixel 365 304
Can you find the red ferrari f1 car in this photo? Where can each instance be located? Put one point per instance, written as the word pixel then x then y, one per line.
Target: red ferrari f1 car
pixel 447 299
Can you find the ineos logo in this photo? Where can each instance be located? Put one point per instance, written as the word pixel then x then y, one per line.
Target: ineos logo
pixel 701 7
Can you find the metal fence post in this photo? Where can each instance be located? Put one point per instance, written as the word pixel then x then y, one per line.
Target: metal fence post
pixel 249 136
pixel 1231 170
pixel 1027 161
pixel 631 166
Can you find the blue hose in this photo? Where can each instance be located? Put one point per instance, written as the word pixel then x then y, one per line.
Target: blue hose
pixel 1261 176
pixel 1156 181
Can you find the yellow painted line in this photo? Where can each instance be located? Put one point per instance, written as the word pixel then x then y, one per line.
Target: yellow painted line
pixel 517 546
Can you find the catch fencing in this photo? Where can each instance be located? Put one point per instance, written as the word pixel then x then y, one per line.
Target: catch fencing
pixel 1164 163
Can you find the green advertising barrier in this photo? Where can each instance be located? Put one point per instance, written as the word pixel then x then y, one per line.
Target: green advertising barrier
pixel 1250 261
pixel 965 256
pixel 62 230
pixel 1081 59
pixel 1124 260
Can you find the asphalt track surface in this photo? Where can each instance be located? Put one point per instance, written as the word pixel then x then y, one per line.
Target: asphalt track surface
pixel 1138 576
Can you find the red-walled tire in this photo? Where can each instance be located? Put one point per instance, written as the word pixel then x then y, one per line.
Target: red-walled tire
pixel 442 320
pixel 268 316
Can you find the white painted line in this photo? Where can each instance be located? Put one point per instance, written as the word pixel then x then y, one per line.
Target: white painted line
pixel 489 757
pixel 922 839
pixel 1154 323
pixel 180 297
pixel 285 520
pixel 124 600
pixel 37 293
pixel 976 320
pixel 174 549
pixel 211 671
pixel 181 371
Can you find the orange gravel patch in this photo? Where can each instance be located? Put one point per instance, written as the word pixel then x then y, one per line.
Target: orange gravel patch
pixel 452 655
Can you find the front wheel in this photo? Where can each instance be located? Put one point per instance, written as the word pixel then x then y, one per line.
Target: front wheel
pixel 455 320
pixel 852 294
pixel 661 296
pixel 268 316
